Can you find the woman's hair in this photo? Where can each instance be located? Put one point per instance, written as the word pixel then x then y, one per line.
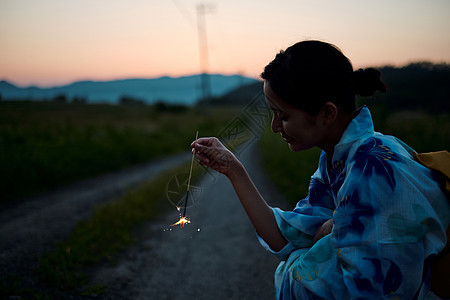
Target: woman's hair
pixel 310 73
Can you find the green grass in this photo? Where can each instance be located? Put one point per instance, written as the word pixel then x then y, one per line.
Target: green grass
pixel 423 132
pixel 291 171
pixel 44 145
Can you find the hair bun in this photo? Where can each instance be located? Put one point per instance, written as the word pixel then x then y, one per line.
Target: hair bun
pixel 368 81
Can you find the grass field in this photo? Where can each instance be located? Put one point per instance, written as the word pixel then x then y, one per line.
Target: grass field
pixel 45 144
pixel 291 171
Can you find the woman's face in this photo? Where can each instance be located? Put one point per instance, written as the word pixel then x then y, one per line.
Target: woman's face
pixel 299 129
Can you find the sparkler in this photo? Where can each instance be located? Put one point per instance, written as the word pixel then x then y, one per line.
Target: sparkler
pixel 183 220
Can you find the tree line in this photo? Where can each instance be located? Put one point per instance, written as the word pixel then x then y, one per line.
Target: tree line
pixel 418 86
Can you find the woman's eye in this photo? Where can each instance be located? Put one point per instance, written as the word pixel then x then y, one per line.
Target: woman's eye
pixel 279 116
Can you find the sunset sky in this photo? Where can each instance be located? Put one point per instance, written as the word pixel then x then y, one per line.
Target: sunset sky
pixel 56 42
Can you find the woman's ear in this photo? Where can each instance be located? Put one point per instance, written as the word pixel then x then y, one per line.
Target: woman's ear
pixel 328 113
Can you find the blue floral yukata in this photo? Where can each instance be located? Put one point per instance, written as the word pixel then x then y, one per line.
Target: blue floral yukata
pixel 390 217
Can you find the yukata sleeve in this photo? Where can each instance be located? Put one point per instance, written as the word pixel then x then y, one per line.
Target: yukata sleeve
pixel 299 226
pixel 385 228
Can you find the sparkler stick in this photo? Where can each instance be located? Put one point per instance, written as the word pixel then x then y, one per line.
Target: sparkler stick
pixel 183 219
pixel 189 182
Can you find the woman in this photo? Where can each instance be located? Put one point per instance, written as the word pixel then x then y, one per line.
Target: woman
pixel 373 218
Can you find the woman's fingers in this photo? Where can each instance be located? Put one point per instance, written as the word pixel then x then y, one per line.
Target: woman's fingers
pixel 202 144
pixel 214 157
pixel 202 153
pixel 206 141
pixel 212 153
pixel 202 159
pixel 207 154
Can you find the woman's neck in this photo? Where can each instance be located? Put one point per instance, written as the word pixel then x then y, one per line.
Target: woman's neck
pixel 336 130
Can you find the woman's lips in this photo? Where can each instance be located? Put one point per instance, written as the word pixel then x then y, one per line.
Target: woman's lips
pixel 287 139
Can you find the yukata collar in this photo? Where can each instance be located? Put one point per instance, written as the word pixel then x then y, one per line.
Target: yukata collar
pixel 359 128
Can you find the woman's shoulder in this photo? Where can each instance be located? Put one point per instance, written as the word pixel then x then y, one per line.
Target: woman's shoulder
pixel 382 155
pixel 389 157
pixel 386 147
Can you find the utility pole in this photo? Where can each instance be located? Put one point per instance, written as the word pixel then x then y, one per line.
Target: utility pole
pixel 202 10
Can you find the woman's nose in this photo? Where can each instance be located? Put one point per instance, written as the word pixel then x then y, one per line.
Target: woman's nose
pixel 276 125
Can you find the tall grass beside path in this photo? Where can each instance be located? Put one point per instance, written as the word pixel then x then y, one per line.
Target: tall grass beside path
pixel 44 145
pixel 290 171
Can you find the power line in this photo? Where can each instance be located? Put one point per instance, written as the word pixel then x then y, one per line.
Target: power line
pixel 202 10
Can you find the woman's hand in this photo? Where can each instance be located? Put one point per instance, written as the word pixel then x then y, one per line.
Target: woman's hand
pixel 212 153
pixel 323 230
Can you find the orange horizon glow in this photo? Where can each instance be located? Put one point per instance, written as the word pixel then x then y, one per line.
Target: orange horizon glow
pixel 47 43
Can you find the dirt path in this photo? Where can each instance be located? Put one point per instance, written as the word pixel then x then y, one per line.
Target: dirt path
pixel 32 226
pixel 217 256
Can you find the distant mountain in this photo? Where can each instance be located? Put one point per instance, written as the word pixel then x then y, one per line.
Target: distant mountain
pixel 180 90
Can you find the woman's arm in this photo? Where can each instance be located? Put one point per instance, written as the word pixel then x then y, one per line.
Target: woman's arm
pixel 258 211
pixel 323 230
pixel 210 152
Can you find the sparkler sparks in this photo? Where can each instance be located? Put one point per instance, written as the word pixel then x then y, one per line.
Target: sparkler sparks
pixel 183 220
